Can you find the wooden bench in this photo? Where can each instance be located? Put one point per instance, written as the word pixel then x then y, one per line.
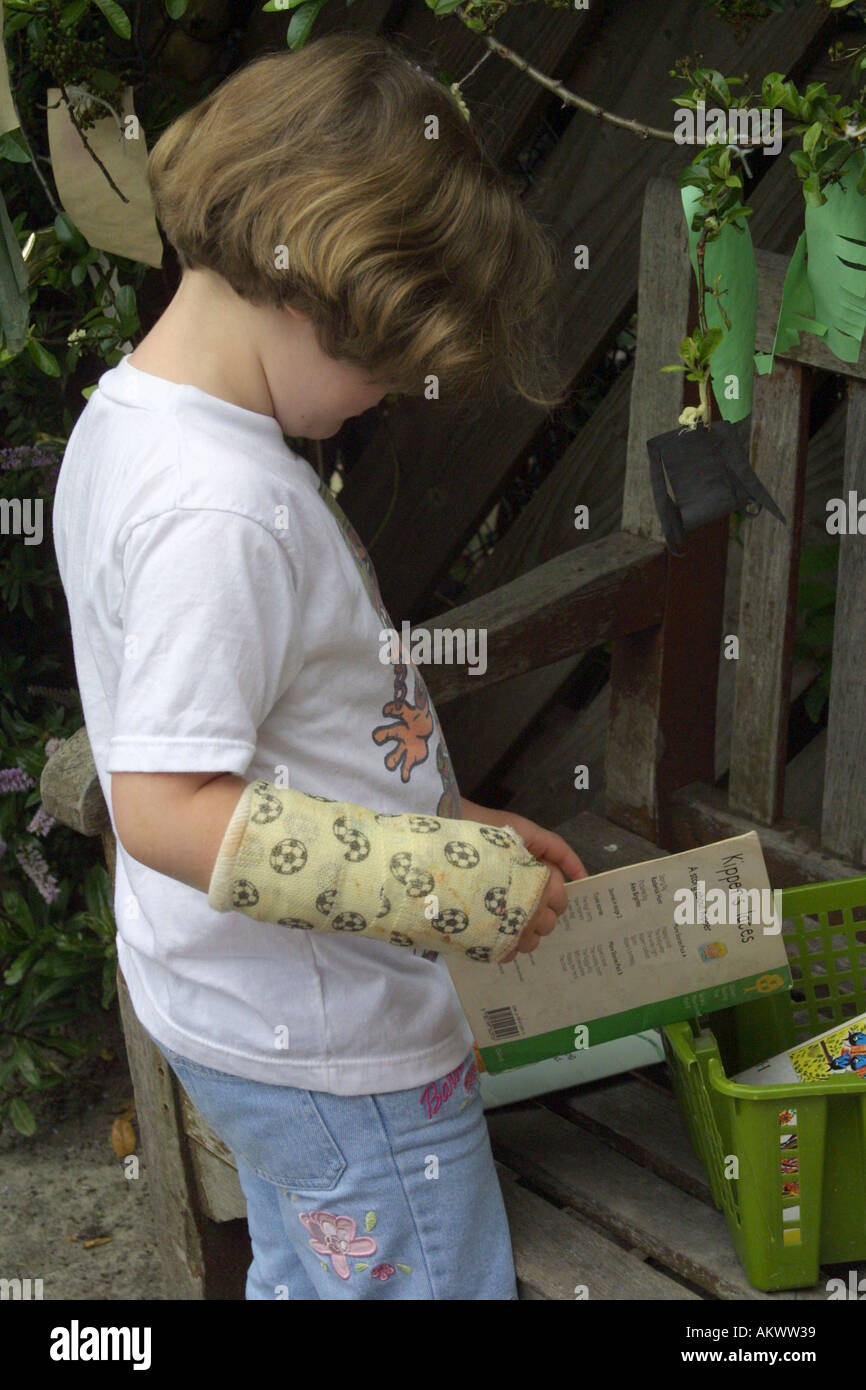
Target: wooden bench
pixel 601 1186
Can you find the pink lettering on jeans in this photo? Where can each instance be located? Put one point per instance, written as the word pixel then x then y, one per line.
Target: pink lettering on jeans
pixel 435 1097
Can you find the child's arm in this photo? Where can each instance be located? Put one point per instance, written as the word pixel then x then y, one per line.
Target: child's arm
pixel 280 856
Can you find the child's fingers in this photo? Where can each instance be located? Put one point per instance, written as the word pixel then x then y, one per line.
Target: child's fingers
pixel 556 896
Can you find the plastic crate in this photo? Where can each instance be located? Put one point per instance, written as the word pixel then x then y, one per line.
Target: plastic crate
pixel 785 1226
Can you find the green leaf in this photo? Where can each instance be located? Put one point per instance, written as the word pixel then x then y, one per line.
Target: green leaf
pixel 818 632
pixel 370 1220
pixel 45 360
pixel 117 18
pixel 68 234
pixel 303 20
pixel 729 259
pixel 22 1117
pixel 12 148
pixel 176 9
pixel 810 139
pixel 406 1269
pixel 14 296
pixel 72 13
pixel 812 192
pixel 360 1268
pixel 796 311
pixel 126 306
pixel 102 80
pixel 819 559
pixel 836 261
pixel 23 1059
pixel 18 968
pixel 814 595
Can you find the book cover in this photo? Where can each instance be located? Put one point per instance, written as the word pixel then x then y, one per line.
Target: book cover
pixel 638 947
pixel 841 1051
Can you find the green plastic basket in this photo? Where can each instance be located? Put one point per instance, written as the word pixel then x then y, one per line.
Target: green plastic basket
pixel 785 1225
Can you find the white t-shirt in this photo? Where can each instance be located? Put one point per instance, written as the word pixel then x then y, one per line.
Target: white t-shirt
pixel 226 618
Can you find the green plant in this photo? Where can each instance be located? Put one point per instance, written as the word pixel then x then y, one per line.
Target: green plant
pixel 60 967
pixel 816 602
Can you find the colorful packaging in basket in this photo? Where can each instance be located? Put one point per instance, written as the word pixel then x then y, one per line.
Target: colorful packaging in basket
pixel 841 1051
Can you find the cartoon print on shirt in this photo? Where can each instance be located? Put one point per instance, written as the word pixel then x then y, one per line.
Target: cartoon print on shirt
pixel 412 724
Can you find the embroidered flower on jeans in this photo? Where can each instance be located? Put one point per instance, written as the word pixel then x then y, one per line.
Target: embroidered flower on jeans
pixel 334 1236
pixel 382 1272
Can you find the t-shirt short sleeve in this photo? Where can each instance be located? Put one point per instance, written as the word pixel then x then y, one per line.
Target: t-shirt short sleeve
pixel 211 639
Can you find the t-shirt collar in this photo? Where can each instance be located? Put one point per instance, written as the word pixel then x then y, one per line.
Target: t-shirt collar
pixel 130 385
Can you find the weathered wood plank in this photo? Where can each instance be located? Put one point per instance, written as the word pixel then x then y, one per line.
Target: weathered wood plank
pixel 635 1206
pixel 70 787
pixel 592 471
pixel 215 1168
pixel 661 729
pixel 793 853
pixel 645 1125
pixel 505 106
pixel 843 822
pixel 539 780
pixel 804 784
pixel 176 1220
pixel 665 293
pixel 608 587
pixel 555 1254
pixel 602 845
pixel 768 604
pixel 589 191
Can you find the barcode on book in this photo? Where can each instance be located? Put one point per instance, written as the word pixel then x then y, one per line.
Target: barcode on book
pixel 502 1023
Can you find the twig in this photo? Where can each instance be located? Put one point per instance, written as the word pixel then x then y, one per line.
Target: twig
pixel 570 98
pixel 93 155
pixel 700 251
pixel 592 107
pixel 33 160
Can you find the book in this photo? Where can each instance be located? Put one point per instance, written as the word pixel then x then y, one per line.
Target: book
pixel 841 1051
pixel 570 1069
pixel 638 947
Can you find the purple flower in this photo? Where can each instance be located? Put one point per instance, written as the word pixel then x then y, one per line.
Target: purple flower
pixel 41 822
pixel 25 456
pixel 36 869
pixel 15 779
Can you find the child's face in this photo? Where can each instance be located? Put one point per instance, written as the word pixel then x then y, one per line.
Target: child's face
pixel 312 394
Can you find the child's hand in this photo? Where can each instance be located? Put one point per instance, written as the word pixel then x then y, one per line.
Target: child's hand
pixel 553 902
pixel 547 846
pixel 550 849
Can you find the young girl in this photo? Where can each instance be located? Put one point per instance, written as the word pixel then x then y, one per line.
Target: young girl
pixel 295 861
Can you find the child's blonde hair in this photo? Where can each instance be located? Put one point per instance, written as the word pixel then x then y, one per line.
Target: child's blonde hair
pixel 412 255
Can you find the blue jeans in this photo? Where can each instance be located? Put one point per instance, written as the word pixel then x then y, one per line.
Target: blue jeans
pixel 388 1196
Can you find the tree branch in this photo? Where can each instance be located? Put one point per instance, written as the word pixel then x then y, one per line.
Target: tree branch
pixel 592 108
